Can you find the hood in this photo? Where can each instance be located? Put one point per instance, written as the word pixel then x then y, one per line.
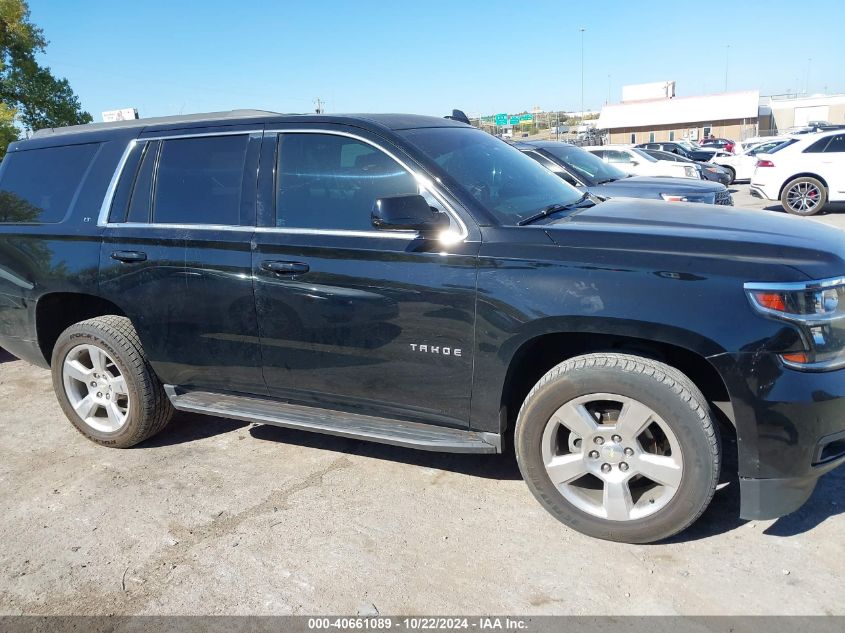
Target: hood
pixel 652 187
pixel 689 231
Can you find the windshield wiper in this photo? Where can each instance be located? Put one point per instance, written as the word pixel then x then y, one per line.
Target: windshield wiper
pixel 552 208
pixel 605 181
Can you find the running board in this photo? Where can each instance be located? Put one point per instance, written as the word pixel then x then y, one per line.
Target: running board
pixel 425 437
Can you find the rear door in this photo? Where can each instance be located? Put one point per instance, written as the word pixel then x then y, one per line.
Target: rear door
pixel 176 255
pixel 351 317
pixel 833 166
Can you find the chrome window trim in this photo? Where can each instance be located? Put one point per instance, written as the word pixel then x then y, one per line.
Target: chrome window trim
pixel 205 227
pixel 422 180
pixel 395 235
pixel 102 218
pixel 203 134
pixel 105 208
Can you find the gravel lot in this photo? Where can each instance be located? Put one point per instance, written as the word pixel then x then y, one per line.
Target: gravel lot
pixel 216 516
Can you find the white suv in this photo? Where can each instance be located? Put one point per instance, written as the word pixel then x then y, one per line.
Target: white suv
pixel 804 175
pixel 636 162
pixel 741 165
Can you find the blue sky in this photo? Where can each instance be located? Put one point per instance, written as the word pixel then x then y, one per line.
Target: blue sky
pixel 429 56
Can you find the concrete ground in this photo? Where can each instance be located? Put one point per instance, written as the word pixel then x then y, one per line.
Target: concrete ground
pixel 216 516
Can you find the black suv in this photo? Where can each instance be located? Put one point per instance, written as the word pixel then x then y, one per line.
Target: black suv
pixel 415 281
pixel 700 155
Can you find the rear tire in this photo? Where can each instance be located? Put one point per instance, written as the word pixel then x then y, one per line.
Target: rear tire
pixel 731 172
pixel 105 384
pixel 803 196
pixel 619 447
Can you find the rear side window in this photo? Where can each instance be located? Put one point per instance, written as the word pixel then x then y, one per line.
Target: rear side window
pixel 326 181
pixel 837 144
pixel 199 180
pixel 41 185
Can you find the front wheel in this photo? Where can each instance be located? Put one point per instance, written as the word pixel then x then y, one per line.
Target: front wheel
pixel 803 196
pixel 105 384
pixel 618 447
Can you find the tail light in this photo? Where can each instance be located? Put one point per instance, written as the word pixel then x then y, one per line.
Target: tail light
pixel 765 163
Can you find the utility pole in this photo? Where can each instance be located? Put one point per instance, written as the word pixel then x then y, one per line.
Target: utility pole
pixel 319 106
pixel 582 74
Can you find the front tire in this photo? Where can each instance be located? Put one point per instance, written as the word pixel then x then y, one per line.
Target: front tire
pixel 732 173
pixel 105 384
pixel 803 196
pixel 619 447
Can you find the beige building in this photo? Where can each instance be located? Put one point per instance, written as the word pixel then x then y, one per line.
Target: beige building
pixel 794 111
pixel 733 115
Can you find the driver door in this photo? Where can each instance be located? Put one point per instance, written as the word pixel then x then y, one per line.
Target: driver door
pixel 351 317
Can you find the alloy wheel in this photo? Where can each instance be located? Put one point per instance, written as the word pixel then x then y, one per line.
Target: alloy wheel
pixel 803 197
pixel 612 457
pixel 96 388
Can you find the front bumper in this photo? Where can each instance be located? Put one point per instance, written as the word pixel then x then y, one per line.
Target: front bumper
pixel 790 430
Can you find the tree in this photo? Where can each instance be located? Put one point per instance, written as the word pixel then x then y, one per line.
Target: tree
pixel 29 93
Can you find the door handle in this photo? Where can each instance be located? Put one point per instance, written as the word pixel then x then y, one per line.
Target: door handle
pixel 129 257
pixel 285 268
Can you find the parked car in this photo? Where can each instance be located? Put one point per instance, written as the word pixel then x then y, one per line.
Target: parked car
pixel 706 171
pixel 719 143
pixel 415 281
pixel 693 153
pixel 636 162
pixel 804 175
pixel 741 165
pixel 587 172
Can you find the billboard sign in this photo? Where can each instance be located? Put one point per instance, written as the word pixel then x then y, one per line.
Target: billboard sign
pixel 124 114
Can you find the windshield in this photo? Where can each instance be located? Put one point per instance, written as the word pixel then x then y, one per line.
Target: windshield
pixel 509 184
pixel 585 165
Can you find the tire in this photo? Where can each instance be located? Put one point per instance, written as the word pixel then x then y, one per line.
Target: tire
pixel 731 172
pixel 105 384
pixel 677 445
pixel 803 196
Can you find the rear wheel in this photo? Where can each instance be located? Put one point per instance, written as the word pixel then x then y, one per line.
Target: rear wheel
pixel 105 384
pixel 731 172
pixel 618 447
pixel 804 196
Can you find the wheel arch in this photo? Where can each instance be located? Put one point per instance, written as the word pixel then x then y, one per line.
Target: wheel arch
pixel 803 175
pixel 538 354
pixel 56 311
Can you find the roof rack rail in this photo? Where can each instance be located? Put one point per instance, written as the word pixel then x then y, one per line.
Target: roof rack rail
pixel 164 120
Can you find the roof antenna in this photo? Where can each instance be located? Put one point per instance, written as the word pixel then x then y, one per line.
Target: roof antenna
pixel 458 115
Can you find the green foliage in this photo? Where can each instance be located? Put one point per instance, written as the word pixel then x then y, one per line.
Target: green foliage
pixel 29 93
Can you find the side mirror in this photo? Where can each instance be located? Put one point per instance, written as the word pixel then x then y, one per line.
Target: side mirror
pixel 634 163
pixel 407 213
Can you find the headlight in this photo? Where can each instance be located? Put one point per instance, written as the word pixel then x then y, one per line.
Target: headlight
pixel 707 198
pixel 817 309
pixel 690 171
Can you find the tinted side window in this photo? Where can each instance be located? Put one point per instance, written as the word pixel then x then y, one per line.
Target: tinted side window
pixel 818 146
pixel 139 202
pixel 837 144
pixel 331 182
pixel 41 185
pixel 199 180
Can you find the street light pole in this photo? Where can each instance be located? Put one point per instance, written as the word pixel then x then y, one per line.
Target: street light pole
pixel 582 74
